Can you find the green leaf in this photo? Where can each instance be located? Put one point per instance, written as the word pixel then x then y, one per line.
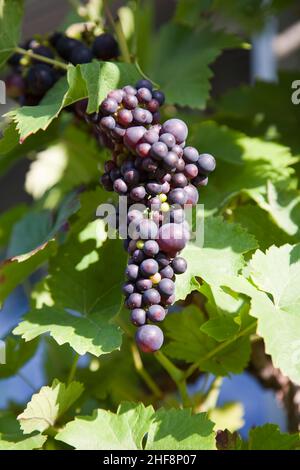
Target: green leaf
pixel 189 343
pixel 220 328
pixel 17 354
pixel 254 219
pixel 283 206
pixel 269 437
pixel 185 76
pixel 48 405
pixel 11 12
pixel 79 282
pixel 15 270
pixel 108 431
pixel 180 430
pixel 92 80
pixel 30 443
pixel 127 429
pixel 224 243
pixel 277 273
pixel 8 220
pixel 247 163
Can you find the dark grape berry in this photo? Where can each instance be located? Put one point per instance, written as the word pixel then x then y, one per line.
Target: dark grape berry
pixel 151 248
pixel 81 55
pixel 206 163
pixel 172 238
pixel 156 313
pixel 149 338
pixel 143 284
pixel 190 155
pixel 105 47
pixel 176 127
pixel 138 317
pixel 43 51
pixel 132 271
pixel 40 78
pixel 65 45
pixel 144 84
pixel 178 196
pixel 167 272
pixel 149 267
pixel 151 297
pixel 159 96
pixel 138 193
pixel 191 194
pixel 134 301
pixel 179 265
pixel 166 287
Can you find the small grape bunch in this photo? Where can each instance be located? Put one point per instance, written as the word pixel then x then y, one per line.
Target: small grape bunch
pixel 151 166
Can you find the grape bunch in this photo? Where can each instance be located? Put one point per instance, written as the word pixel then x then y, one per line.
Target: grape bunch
pixel 31 78
pixel 159 174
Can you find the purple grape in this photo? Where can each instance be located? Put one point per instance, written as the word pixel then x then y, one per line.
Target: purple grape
pixel 108 123
pixel 153 106
pixel 144 84
pixel 177 215
pixel 118 133
pixel 138 256
pixel 117 95
pixel 106 182
pixel 170 161
pixel 134 301
pixel 144 95
pixel 105 47
pixel 126 165
pixel 124 117
pixel 180 165
pixel 130 101
pixel 176 127
pixel 149 267
pixel 131 176
pixel 143 149
pixel 179 265
pixel 142 116
pixel 134 215
pixel 167 272
pixel 192 194
pixel 177 196
pixel 159 151
pixel 138 317
pixel 133 135
pixel 149 338
pixel 109 106
pixel 132 272
pixel 138 193
pixel 206 163
pixel 166 287
pixel 128 288
pixel 143 284
pixel 172 238
pixel 190 170
pixel 167 301
pixel 179 180
pixel 168 139
pixel 159 96
pixel 165 187
pixel 130 90
pixel 149 165
pixel 120 186
pixel 151 248
pixel 131 246
pixel 163 260
pixel 178 150
pixel 147 229
pixel 200 180
pixel 156 313
pixel 190 155
pixel 80 55
pixel 151 136
pixel 153 188
pixel 151 297
pixel 40 78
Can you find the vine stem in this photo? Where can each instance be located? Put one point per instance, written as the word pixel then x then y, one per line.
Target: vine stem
pixel 177 375
pixel 119 33
pixel 139 366
pixel 144 75
pixel 73 369
pixel 55 63
pixel 216 350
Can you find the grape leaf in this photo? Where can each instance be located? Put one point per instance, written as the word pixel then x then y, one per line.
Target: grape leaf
pixel 269 437
pixel 125 430
pixel 180 430
pixel 17 353
pixel 186 84
pixel 224 243
pixel 15 270
pixel 108 431
pixel 220 328
pixel 189 343
pixel 11 12
pixel 48 405
pixel 30 443
pixel 283 206
pixel 277 273
pixel 85 298
pixel 8 220
pixel 250 162
pixel 229 416
pixel 80 83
